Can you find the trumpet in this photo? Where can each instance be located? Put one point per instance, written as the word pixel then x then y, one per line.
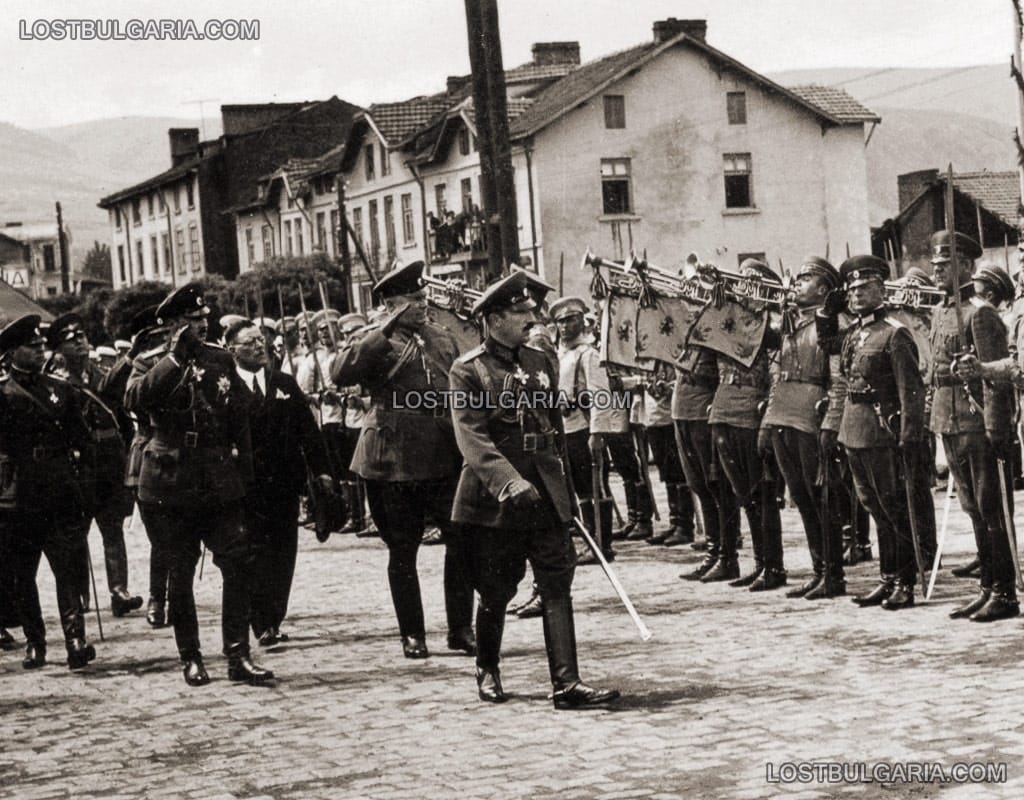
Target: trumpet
pixel 629 274
pixel 452 295
pixel 904 295
pixel 738 287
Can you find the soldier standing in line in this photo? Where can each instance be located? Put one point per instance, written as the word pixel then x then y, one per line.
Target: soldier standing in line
pixel 883 417
pixel 513 493
pixel 110 426
pixel 694 391
pixel 48 450
pixel 975 417
pixel 356 404
pixel 406 451
pixel 735 420
pixel 314 377
pixel 791 426
pixel 194 475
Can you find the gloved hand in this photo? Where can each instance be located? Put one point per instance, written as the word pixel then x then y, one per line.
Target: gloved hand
pixel 520 492
pixel 389 325
pixel 185 344
pixel 835 302
pixel 764 442
pixel 967 367
pixel 828 443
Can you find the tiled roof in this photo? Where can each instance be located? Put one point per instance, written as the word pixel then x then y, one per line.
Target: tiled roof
pixel 530 72
pixel 516 107
pixel 293 168
pixel 999 192
pixel 396 121
pixel 162 179
pixel 576 85
pixel 835 102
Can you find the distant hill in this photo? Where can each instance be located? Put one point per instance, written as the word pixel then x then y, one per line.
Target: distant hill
pixel 78 164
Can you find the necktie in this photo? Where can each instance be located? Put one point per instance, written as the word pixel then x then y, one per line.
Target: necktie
pixel 256 390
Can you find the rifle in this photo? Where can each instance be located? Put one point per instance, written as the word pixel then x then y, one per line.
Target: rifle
pixel 280 311
pixel 942 536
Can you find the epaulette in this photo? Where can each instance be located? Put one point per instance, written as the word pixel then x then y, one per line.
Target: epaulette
pixel 156 352
pixel 469 355
pixel 215 346
pixel 895 323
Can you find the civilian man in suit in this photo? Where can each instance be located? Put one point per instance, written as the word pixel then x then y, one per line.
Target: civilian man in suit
pixel 286 445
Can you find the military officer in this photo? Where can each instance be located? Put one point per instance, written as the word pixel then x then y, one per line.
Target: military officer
pixel 883 415
pixel 736 413
pixel 406 451
pixel 791 426
pixel 194 474
pixel 47 451
pixel 975 417
pixel 111 426
pixel 513 494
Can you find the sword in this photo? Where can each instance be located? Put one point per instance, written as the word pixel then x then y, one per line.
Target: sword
pixel 942 536
pixel 596 468
pixel 908 487
pixel 645 632
pixel 95 596
pixel 1011 531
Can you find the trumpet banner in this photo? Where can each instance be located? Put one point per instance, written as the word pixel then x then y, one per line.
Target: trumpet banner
pixel 636 337
pixel 732 329
pixel 465 331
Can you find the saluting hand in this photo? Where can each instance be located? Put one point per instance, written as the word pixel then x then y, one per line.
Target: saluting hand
pixel 835 303
pixel 185 344
pixel 389 325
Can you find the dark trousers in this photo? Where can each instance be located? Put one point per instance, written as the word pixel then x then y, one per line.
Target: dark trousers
pixel 110 520
pixel 666 454
pixel 799 461
pixel 975 470
pixel 400 511
pixel 754 487
pixel 717 500
pixel 222 529
pixel 878 479
pixel 9 613
pixel 159 568
pixel 337 449
pixel 274 527
pixel 31 536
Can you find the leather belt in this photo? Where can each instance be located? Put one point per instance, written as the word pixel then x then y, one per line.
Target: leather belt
pixel 789 377
pixel 700 381
pixel 104 434
pixel 942 381
pixel 736 379
pixel 438 412
pixel 862 396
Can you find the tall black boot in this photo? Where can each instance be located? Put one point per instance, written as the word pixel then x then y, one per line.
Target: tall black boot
pixel 116 558
pixel 673 517
pixel 235 628
pixel 490 626
pixel 631 518
pixel 644 512
pixel 682 517
pixel 560 639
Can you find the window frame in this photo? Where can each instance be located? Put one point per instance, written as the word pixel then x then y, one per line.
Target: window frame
pixel 368 165
pixel 736 107
pixel 614 112
pixel 730 170
pixel 408 220
pixel 613 176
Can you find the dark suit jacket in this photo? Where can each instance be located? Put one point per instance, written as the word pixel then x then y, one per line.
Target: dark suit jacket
pixel 285 439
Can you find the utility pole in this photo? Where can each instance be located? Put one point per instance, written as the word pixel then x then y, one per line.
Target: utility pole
pixel 62 243
pixel 1015 73
pixel 341 240
pixel 490 107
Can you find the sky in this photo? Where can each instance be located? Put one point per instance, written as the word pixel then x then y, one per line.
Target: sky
pixel 386 50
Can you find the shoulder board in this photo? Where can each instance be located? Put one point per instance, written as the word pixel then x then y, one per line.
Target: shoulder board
pixel 894 323
pixel 156 352
pixel 53 376
pixel 469 355
pixel 215 346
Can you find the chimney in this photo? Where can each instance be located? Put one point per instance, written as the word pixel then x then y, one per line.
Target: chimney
pixel 184 144
pixel 665 29
pixel 549 53
pixel 456 83
pixel 911 184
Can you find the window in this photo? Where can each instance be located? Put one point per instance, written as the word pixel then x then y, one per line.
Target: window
pixel 190 198
pixel 736 106
pixel 49 259
pixel 357 224
pixel 615 189
pixel 300 246
pixel 737 180
pixel 439 200
pixel 179 242
pixel 374 232
pixel 385 160
pixel 368 157
pixel 291 201
pixel 154 254
pixel 137 211
pixel 321 230
pixel 464 141
pixel 614 111
pixel 467 194
pixel 140 264
pixel 268 242
pixel 149 205
pixel 160 204
pixel 408 223
pixel 51 290
pixel 250 247
pixel 334 230
pixel 289 245
pixel 475 147
pixel 165 243
pixel 117 217
pixel 120 263
pixel 193 240
pixel 389 225
pixel 177 200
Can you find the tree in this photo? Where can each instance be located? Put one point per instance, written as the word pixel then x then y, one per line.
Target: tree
pixel 97 262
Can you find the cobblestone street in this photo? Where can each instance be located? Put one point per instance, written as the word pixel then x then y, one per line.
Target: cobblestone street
pixel 731 682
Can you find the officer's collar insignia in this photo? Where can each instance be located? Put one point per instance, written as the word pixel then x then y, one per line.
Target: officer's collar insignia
pixel 543 379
